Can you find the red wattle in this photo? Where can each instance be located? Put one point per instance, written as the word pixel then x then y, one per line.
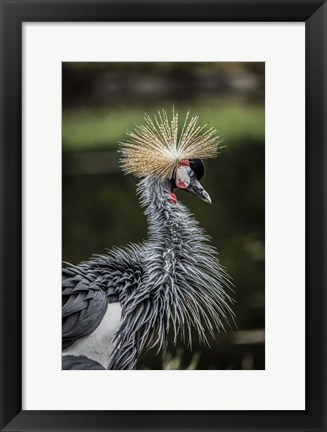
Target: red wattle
pixel 173 198
pixel 182 185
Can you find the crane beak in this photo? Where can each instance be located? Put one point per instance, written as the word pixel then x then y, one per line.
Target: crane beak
pixel 196 188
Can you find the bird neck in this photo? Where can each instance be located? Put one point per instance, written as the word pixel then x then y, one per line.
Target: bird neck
pixel 182 284
pixel 167 219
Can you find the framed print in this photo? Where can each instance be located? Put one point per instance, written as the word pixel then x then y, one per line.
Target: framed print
pixel 152 333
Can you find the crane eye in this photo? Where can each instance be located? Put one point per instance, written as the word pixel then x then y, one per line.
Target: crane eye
pixel 191 173
pixel 197 166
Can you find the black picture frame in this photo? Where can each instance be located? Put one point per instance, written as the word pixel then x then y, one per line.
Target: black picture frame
pixel 13 14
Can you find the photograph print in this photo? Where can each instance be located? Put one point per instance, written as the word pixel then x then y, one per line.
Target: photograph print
pixel 163 215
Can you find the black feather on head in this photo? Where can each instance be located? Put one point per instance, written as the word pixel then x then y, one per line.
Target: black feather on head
pixel 198 167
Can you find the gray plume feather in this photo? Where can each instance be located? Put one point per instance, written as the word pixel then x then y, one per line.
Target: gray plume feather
pixel 182 287
pixel 170 284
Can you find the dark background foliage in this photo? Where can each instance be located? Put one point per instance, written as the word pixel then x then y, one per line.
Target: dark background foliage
pixel 101 101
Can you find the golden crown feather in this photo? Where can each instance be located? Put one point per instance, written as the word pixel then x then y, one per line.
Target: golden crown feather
pixel 155 148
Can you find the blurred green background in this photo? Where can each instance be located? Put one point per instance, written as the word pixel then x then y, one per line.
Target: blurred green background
pixel 101 101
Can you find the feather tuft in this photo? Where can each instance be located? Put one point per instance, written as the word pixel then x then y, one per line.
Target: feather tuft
pixel 155 148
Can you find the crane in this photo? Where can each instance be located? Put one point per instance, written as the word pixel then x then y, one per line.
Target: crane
pixel 118 305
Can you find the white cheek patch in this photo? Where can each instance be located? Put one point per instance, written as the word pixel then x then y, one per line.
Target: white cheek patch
pixel 182 177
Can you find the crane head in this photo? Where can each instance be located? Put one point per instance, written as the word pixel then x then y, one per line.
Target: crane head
pixel 158 148
pixel 187 176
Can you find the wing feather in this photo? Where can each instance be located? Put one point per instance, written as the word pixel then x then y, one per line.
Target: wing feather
pixel 84 306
